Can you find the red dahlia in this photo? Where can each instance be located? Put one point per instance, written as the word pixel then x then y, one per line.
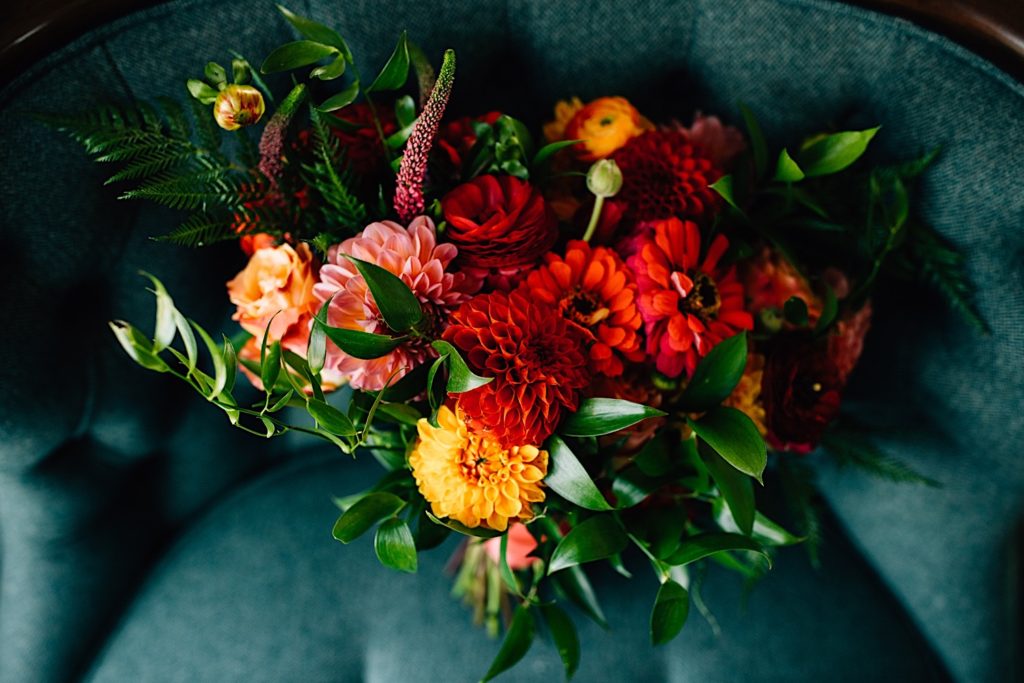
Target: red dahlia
pixel 665 175
pixel 537 358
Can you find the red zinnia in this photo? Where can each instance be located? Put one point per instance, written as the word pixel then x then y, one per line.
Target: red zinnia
pixel 499 222
pixel 536 357
pixel 665 175
pixel 592 287
pixel 688 305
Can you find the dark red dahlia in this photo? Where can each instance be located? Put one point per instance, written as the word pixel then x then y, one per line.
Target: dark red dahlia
pixel 537 358
pixel 665 175
pixel 457 137
pixel 801 389
pixel 360 140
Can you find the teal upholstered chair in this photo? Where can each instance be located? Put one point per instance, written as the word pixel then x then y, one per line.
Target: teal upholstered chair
pixel 141 539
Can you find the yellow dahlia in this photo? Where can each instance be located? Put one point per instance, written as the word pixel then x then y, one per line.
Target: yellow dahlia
pixel 469 477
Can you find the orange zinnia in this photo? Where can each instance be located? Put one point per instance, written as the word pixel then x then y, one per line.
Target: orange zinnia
pixel 689 305
pixel 594 289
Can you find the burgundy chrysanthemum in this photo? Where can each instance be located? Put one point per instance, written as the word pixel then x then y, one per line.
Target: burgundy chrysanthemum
pixel 537 358
pixel 665 175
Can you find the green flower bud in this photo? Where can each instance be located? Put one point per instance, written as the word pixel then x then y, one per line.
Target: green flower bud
pixel 604 179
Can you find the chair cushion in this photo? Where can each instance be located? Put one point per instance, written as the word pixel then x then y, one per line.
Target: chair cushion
pixel 258 591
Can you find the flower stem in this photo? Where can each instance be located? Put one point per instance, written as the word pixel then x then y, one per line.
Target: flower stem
pixel 595 216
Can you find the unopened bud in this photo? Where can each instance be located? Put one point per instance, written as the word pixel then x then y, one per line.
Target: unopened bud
pixel 238 106
pixel 604 179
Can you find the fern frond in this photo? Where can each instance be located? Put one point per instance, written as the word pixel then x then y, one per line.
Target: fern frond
pixel 941 266
pixel 852 449
pixel 150 163
pixel 332 180
pixel 801 491
pixel 197 190
pixel 202 229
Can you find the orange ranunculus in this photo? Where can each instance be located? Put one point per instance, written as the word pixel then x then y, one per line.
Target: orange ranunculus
pixel 564 111
pixel 604 126
pixel 277 281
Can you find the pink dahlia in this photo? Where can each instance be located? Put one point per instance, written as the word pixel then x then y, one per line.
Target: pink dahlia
pixel 688 304
pixel 412 254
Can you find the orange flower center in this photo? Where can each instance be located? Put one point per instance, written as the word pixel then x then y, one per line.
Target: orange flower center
pixel 698 295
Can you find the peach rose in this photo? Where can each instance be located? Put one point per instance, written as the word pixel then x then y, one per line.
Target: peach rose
pixel 277 281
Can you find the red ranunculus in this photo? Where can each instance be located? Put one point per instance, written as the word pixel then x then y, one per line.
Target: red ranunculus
pixel 801 389
pixel 499 222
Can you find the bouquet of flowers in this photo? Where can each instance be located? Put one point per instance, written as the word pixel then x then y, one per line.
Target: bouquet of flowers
pixel 558 350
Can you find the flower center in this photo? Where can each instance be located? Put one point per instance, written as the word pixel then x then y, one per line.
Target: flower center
pixel 698 295
pixel 584 308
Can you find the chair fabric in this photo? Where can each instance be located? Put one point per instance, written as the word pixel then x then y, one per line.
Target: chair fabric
pixel 102 465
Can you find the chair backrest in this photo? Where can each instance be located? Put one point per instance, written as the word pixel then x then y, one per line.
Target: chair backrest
pixel 100 462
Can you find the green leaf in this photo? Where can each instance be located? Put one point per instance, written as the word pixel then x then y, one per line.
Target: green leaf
pixel 401 413
pixel 432 397
pixel 700 546
pixel 671 607
pixel 547 151
pixel 215 73
pixel 517 641
pixel 362 345
pixel 397 304
pixel 723 186
pixel 717 374
pixel 363 514
pixel 733 436
pixel 293 55
pixel 563 633
pixel 330 418
pixel 833 153
pixel 757 142
pixel 478 532
pixel 396 70
pixel 597 416
pixel 460 378
pixel 316 350
pixel 341 100
pixel 138 348
pixel 331 70
pixel 395 547
pixel 567 477
pixel 188 339
pixel 735 487
pixel 593 539
pixel 163 334
pixel 405 111
pixel 787 170
pixel 230 363
pixel 795 311
pixel 201 91
pixel 270 366
pixel 766 532
pixel 576 586
pixel 317 32
pixel 220 373
pixel 240 71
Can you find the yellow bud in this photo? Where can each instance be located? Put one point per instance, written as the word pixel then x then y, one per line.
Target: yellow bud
pixel 604 178
pixel 238 106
